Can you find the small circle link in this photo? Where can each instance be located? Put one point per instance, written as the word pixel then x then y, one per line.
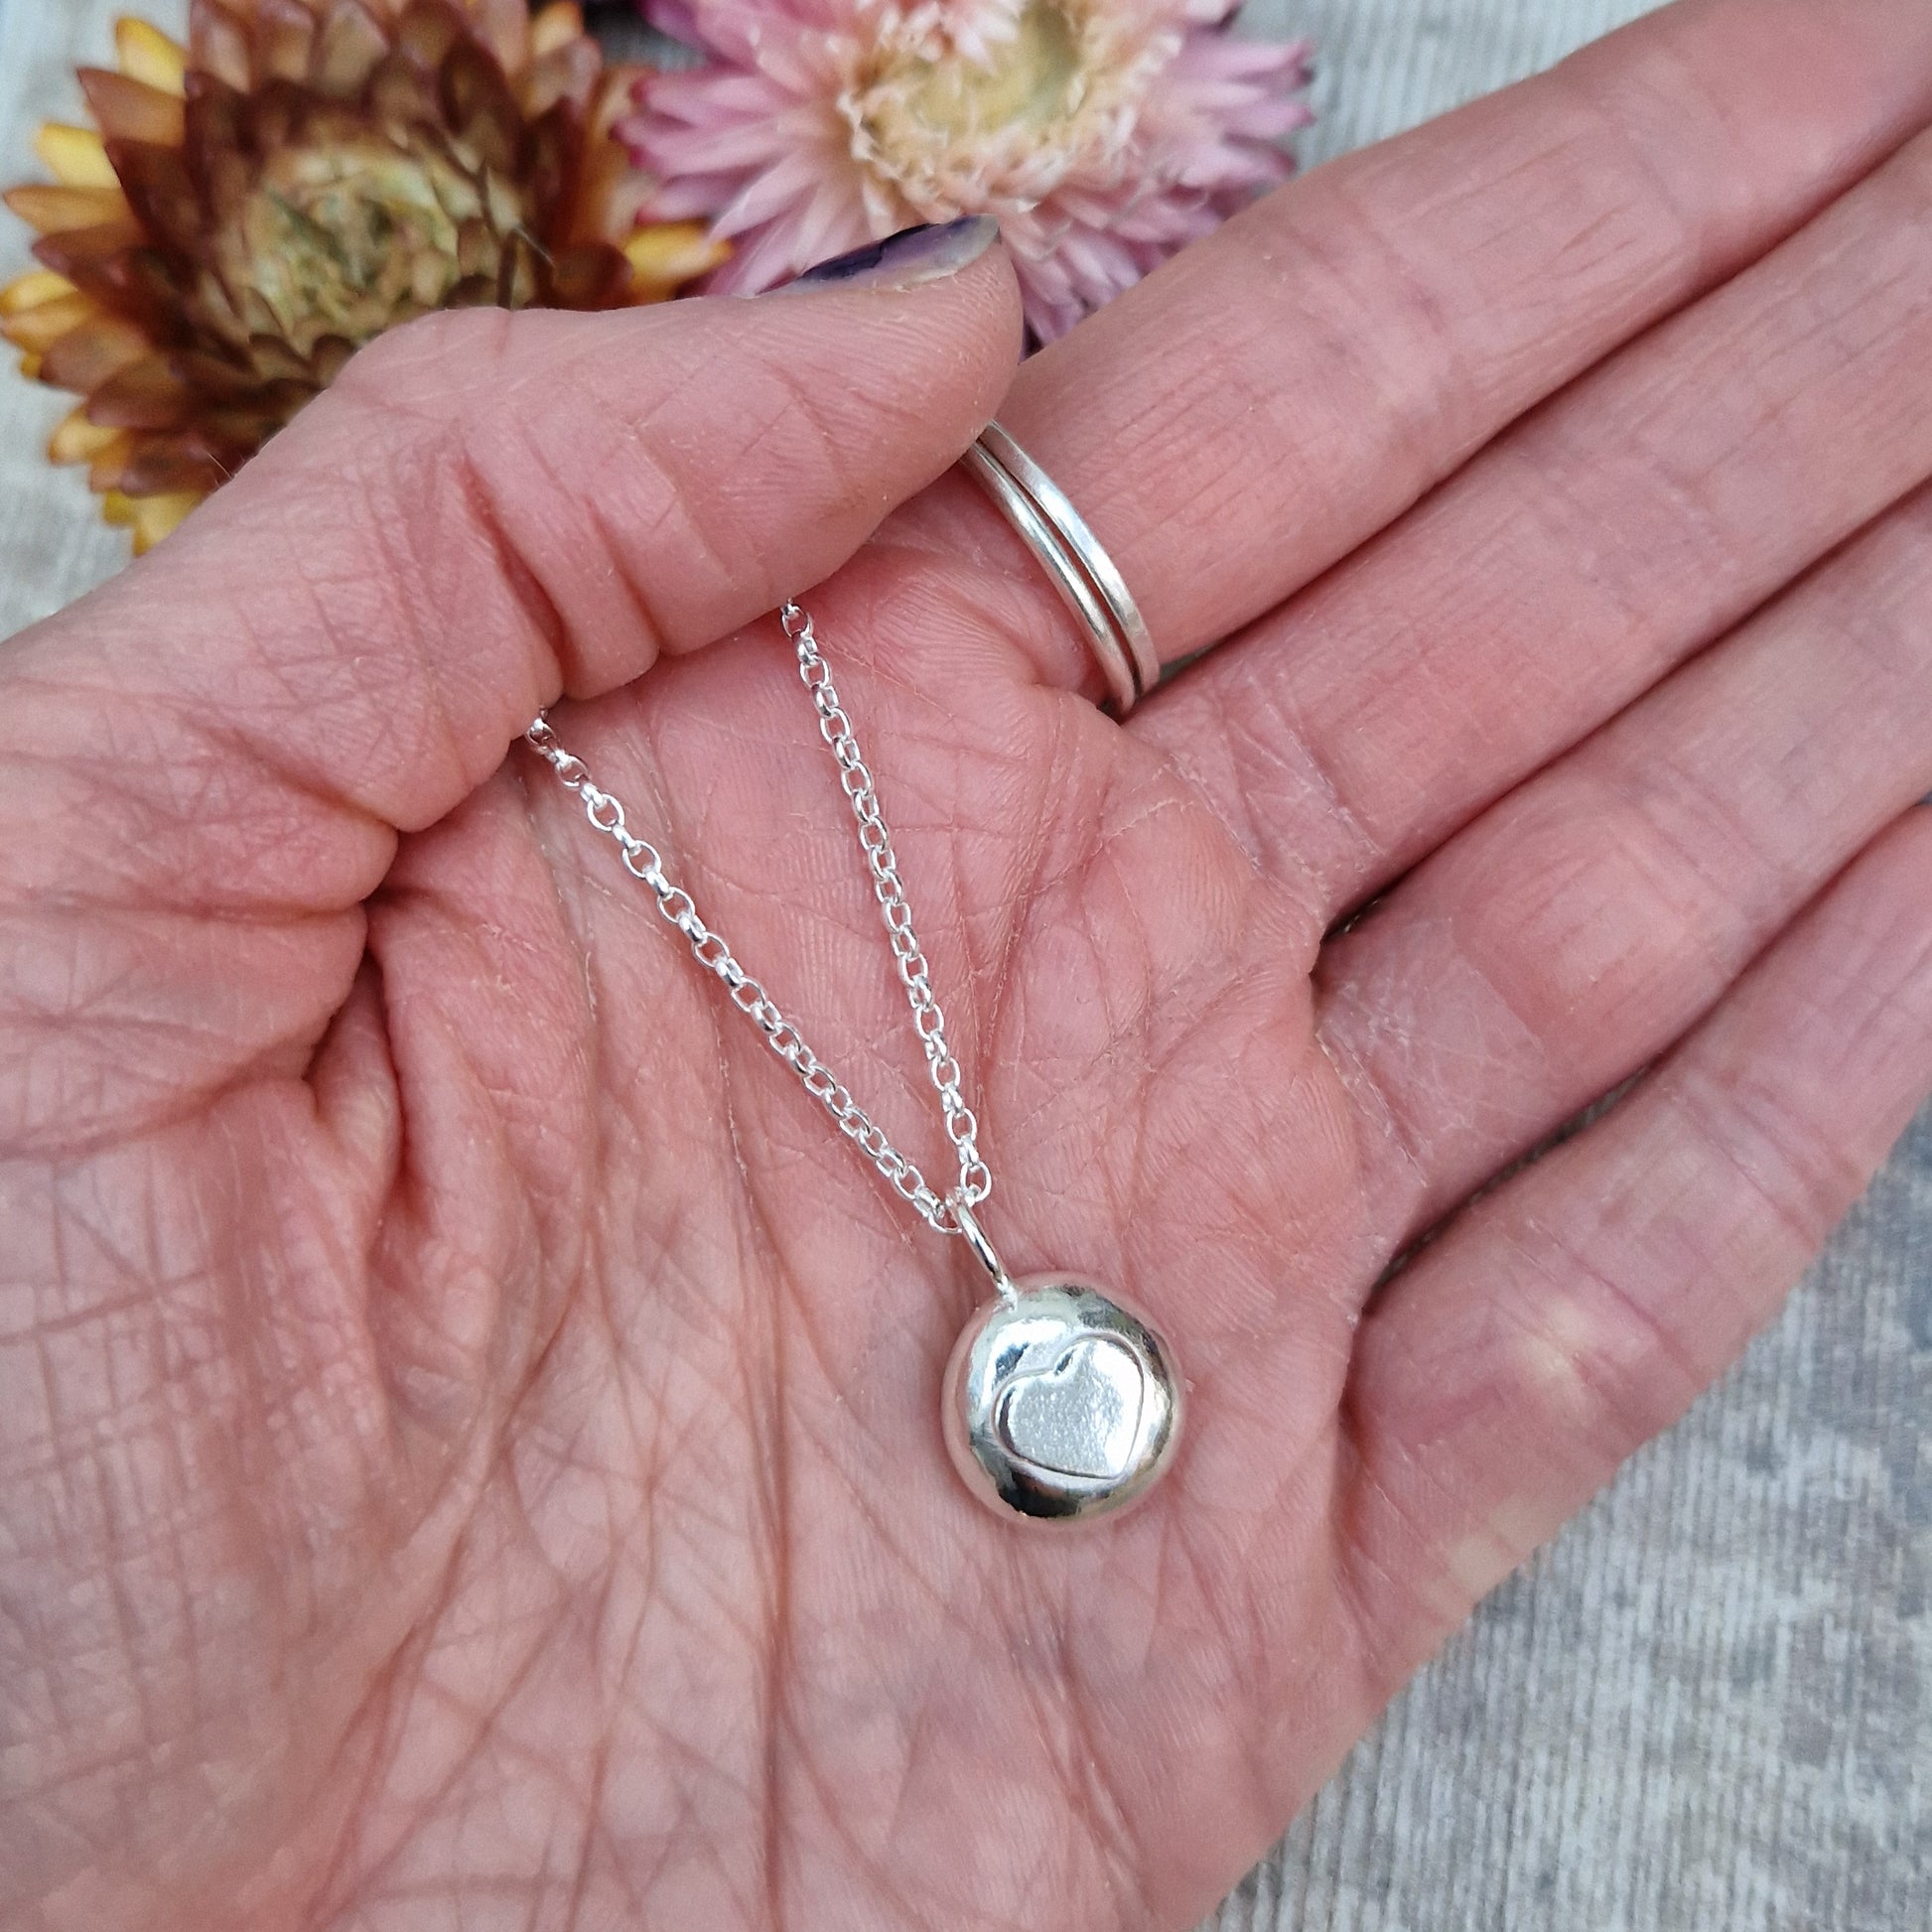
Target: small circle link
pixel 645 863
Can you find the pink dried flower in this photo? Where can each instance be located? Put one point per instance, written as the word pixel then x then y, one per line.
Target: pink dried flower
pixel 1103 134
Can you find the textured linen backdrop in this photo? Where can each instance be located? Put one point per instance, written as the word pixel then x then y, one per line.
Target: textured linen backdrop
pixel 1706 1709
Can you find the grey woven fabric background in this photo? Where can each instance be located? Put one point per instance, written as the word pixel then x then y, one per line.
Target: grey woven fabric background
pixel 1707 1707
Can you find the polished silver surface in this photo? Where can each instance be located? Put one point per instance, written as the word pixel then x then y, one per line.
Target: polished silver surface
pixel 1089 551
pixel 1076 590
pixel 1060 1404
pixel 981 1245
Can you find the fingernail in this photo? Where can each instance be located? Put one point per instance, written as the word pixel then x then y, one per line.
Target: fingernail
pixel 905 259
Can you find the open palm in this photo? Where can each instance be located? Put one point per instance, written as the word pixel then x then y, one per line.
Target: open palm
pixel 469 1449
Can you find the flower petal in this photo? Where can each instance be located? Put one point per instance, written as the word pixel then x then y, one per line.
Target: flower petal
pixel 131 110
pixel 161 193
pixel 483 116
pixel 146 394
pixel 61 210
pixel 284 40
pixel 667 254
pixel 557 25
pixel 147 55
pixel 84 357
pixel 75 156
pixel 29 291
pixel 504 25
pixel 35 330
pixel 92 258
pixel 347 50
pixel 77 439
pixel 107 465
pixel 157 517
pixel 218 43
pixel 568 72
pixel 160 465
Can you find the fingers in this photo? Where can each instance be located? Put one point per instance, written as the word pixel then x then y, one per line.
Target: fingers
pixel 1262 406
pixel 1501 1378
pixel 1654 504
pixel 1579 927
pixel 484 510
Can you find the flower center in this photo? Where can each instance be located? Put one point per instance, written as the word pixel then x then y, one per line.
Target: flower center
pixel 1025 82
pixel 996 112
pixel 348 240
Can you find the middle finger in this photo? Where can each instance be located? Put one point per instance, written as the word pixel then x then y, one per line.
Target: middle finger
pixel 1580 558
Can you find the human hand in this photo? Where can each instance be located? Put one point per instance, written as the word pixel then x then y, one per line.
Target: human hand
pixel 468 1451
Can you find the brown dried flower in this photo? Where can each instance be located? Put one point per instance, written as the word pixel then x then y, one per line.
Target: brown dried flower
pixel 302 176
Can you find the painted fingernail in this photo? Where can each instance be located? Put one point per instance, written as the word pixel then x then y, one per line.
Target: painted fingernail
pixel 905 259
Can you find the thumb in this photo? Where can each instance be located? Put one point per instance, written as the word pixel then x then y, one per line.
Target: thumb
pixel 486 510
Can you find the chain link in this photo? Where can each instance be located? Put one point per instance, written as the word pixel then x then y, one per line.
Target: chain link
pixel 646 864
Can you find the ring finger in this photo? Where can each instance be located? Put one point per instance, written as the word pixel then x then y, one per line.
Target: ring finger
pixel 1252 414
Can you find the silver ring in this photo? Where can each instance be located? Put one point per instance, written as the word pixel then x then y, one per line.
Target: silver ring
pixel 983 1249
pixel 1088 581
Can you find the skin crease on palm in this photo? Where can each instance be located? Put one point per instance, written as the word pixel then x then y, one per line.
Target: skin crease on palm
pixel 468 1451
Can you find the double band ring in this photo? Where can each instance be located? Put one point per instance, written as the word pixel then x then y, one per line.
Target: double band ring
pixel 1088 581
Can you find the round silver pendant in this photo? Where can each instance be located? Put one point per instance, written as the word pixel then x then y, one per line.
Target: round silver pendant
pixel 1060 1404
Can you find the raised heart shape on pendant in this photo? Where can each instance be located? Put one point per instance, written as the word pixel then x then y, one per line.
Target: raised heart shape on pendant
pixel 1082 1415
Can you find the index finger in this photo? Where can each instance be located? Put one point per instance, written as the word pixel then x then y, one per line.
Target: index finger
pixel 1272 398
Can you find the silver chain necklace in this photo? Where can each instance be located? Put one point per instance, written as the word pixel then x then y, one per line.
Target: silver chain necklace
pixel 1060 1403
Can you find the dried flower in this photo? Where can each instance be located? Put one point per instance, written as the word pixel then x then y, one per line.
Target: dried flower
pixel 1104 134
pixel 302 176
